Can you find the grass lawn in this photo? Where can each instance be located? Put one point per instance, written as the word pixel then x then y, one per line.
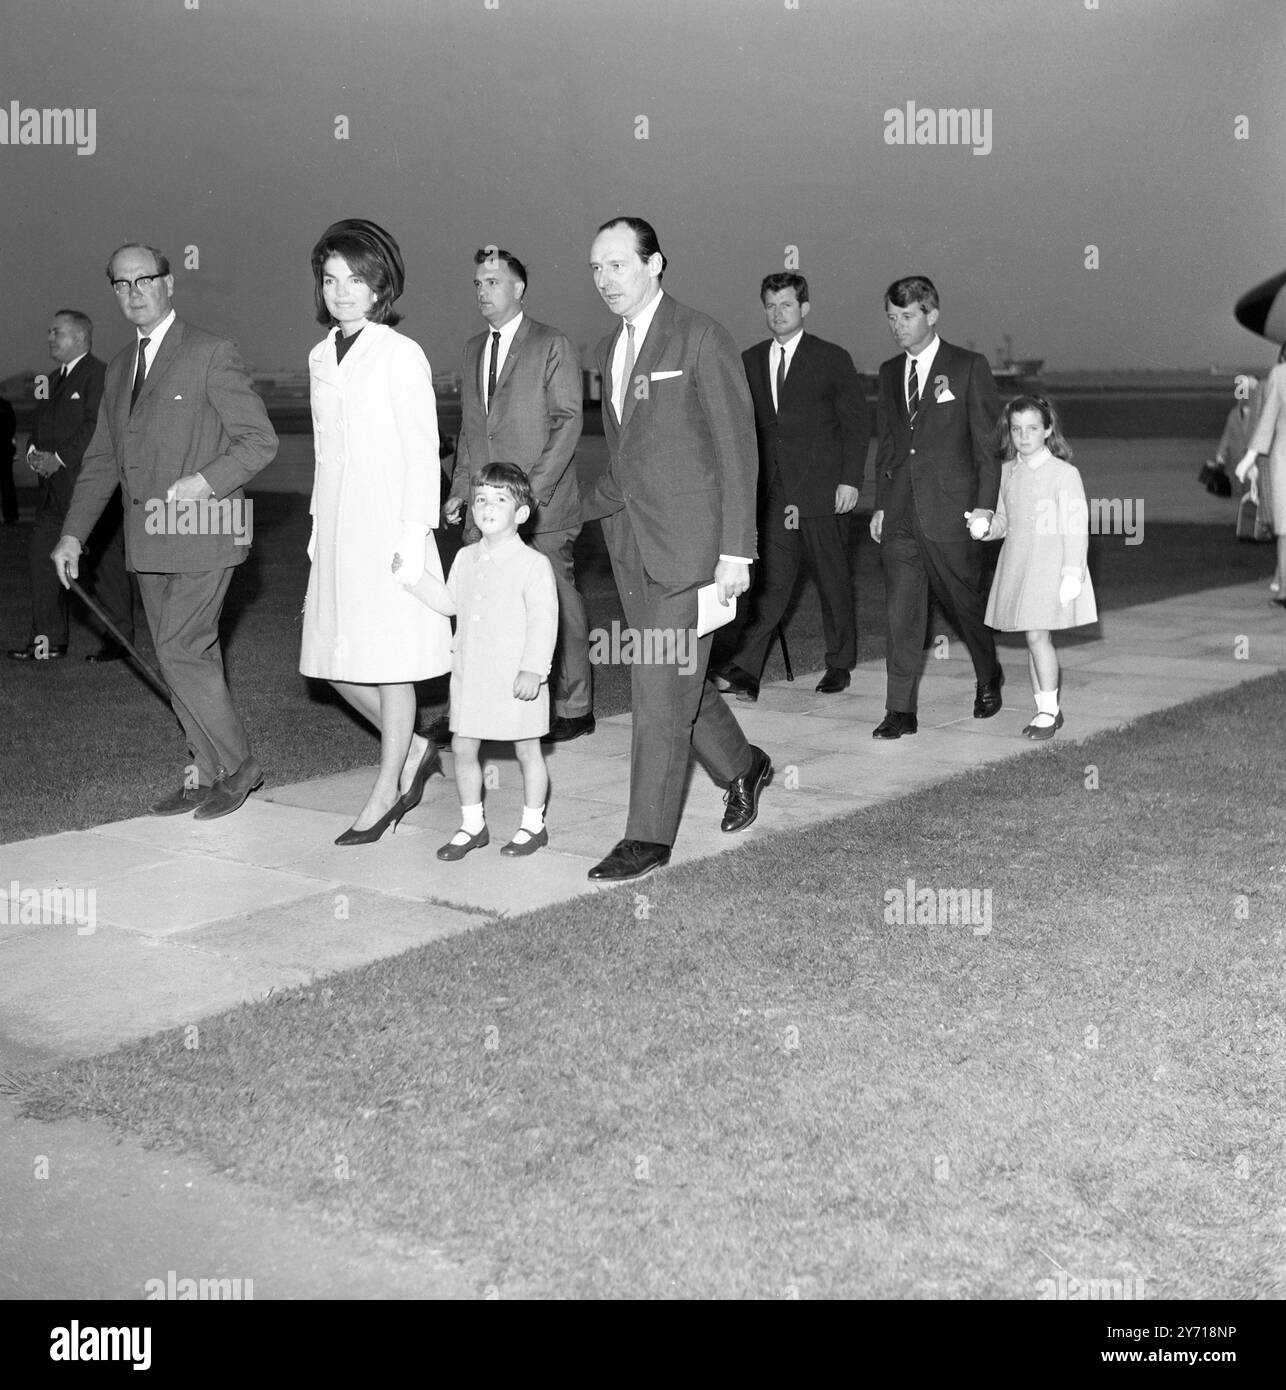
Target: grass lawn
pixel 87 744
pixel 743 1081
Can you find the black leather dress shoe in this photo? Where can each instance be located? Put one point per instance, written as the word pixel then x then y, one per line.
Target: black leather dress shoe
pixel 109 651
pixel 229 792
pixel 740 682
pixel 31 653
pixel 567 727
pixel 895 723
pixel 742 796
pixel 987 701
pixel 178 803
pixel 835 680
pixel 630 859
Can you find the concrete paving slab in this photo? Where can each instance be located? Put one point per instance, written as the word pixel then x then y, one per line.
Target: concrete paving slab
pixel 331 931
pixel 73 857
pixel 75 996
pixel 194 889
pixel 261 833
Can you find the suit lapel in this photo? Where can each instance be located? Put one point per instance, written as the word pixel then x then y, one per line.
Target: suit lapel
pixel 658 334
pixel 520 337
pixel 165 357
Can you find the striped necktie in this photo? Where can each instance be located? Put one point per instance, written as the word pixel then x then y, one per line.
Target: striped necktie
pixel 912 395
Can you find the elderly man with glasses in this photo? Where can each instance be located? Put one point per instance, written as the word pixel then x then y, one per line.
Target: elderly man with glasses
pixel 181 429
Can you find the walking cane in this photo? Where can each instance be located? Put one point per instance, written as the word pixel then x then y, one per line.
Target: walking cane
pixel 153 676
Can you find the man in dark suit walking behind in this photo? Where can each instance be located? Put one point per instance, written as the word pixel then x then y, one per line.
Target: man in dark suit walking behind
pixel 521 397
pixel 61 428
pixel 935 462
pixel 181 429
pixel 678 509
pixel 811 419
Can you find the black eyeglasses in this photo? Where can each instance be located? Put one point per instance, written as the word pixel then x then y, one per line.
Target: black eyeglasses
pixel 143 283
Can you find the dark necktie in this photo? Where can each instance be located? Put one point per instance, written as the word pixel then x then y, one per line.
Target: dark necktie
pixel 912 395
pixel 781 373
pixel 60 381
pixel 140 372
pixel 491 370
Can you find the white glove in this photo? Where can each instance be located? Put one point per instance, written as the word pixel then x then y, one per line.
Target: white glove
pixel 1070 588
pixel 979 526
pixel 312 541
pixel 408 560
pixel 1246 467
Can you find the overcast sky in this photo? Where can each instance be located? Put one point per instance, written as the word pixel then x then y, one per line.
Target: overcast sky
pixel 215 127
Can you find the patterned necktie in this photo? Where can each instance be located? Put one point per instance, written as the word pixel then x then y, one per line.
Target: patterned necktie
pixel 140 372
pixel 491 370
pixel 627 369
pixel 912 394
pixel 781 373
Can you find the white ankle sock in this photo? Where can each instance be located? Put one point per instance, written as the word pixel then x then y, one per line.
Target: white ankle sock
pixel 1046 708
pixel 472 819
pixel 533 819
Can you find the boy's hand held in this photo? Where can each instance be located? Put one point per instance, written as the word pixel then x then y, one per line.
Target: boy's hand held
pixel 526 685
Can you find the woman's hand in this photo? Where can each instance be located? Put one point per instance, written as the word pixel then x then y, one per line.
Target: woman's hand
pixel 1069 588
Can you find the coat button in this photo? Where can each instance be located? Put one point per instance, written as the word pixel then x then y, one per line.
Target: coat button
pixel 913 451
pixel 137 503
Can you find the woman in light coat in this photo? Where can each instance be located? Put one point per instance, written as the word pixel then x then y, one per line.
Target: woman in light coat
pixel 1270 438
pixel 375 495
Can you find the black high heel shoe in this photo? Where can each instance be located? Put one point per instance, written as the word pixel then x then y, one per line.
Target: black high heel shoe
pixel 430 763
pixel 353 836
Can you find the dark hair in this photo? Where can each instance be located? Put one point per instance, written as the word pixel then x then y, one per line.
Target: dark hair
pixel 508 476
pixel 912 289
pixel 645 242
pixel 494 253
pixel 785 280
pixel 364 259
pixel 162 260
pixel 82 322
pixel 1056 444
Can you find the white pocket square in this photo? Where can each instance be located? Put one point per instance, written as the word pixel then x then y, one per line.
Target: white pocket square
pixel 943 396
pixel 179 398
pixel 75 396
pixel 664 376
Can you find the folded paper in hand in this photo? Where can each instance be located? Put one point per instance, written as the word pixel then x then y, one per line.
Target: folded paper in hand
pixel 711 614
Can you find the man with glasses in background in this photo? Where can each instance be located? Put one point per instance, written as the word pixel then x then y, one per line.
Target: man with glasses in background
pixel 180 426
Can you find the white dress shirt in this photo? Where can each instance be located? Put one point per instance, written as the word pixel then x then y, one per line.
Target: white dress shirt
pixel 775 354
pixel 502 352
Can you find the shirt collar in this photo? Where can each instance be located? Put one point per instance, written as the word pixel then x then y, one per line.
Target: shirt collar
pixel 157 334
pixel 642 321
pixel 791 343
pixel 71 366
pixel 508 331
pixel 506 550
pixel 928 352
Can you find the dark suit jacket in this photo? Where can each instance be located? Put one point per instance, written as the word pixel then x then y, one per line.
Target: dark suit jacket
pixel 818 438
pixel 197 413
pixel 64 424
pixel 682 464
pixel 534 421
pixel 948 465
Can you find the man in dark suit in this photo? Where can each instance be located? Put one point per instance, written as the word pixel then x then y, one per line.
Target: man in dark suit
pixel 181 429
pixel 811 419
pixel 61 428
pixel 935 462
pixel 678 509
pixel 521 397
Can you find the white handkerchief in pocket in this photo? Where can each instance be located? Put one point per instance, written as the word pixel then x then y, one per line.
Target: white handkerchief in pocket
pixel 664 376
pixel 942 392
pixel 75 396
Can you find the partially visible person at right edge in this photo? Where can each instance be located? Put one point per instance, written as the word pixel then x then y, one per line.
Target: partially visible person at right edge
pixel 1270 438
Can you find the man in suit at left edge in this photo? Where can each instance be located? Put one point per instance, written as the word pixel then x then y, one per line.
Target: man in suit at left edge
pixel 181 429
pixel 62 425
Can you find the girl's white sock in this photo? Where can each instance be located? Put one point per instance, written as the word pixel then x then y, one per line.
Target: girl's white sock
pixel 1046 708
pixel 472 819
pixel 533 819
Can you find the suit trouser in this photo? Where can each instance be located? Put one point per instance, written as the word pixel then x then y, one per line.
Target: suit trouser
pixel 823 540
pixel 105 575
pixel 183 613
pixel 569 683
pixel 914 564
pixel 675 710
pixel 8 488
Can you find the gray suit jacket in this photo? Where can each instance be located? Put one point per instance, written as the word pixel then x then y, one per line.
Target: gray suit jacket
pixel 197 413
pixel 534 421
pixel 683 462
